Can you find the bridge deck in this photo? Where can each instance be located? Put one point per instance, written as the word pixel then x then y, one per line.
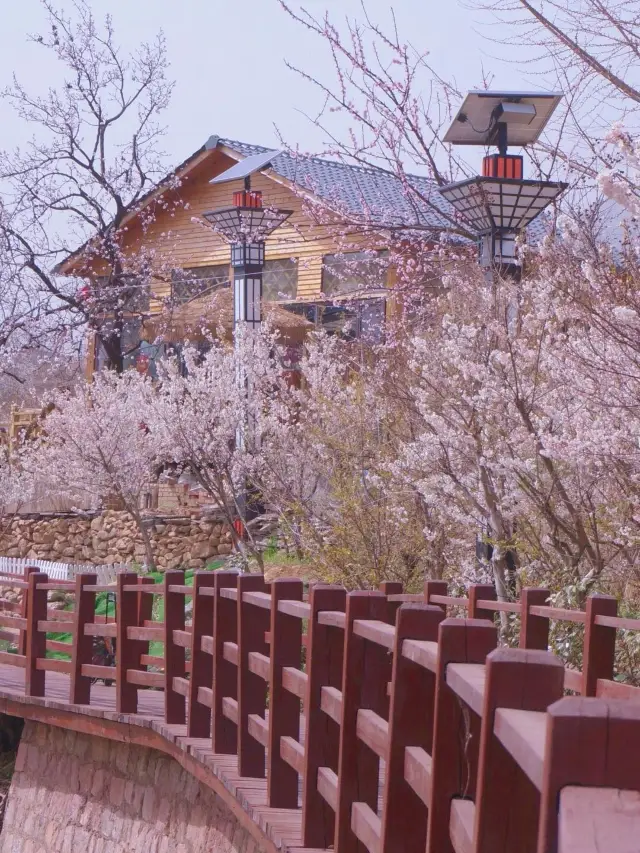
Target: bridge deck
pixel 381 677
pixel 281 826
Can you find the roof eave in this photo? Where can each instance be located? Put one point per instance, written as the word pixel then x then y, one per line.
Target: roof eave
pixel 66 266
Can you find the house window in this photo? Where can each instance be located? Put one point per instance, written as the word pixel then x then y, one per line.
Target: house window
pixel 280 280
pixel 356 319
pixel 191 282
pixel 352 271
pixel 136 295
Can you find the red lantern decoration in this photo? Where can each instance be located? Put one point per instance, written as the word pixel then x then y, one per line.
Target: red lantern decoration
pixel 142 364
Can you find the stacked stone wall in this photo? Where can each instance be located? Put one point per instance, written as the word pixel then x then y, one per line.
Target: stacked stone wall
pixel 112 537
pixel 75 793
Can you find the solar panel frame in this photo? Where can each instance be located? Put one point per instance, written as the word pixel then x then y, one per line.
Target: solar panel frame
pixel 246 167
pixel 478 127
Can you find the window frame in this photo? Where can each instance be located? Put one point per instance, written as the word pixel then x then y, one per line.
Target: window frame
pixel 208 282
pixel 295 265
pixel 342 258
pixel 315 311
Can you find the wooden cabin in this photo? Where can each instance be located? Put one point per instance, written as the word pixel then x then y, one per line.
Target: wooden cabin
pixel 317 262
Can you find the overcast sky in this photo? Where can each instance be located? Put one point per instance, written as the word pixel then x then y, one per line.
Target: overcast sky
pixel 228 60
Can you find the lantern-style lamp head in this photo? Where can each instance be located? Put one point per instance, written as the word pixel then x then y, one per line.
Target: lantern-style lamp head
pixel 246 221
pixel 500 203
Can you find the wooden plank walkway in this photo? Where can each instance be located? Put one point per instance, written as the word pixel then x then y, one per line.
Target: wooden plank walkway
pixel 281 826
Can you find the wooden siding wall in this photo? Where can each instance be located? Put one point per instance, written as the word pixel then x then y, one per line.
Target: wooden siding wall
pixel 181 242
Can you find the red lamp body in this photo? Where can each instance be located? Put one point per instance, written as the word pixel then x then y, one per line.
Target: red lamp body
pixel 502 166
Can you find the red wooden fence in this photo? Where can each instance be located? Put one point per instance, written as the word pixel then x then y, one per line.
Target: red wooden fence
pixel 391 726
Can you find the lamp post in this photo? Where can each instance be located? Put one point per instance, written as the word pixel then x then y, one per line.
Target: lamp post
pixel 500 203
pixel 245 225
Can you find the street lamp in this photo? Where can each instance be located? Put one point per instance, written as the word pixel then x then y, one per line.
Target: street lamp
pixel 245 225
pixel 500 203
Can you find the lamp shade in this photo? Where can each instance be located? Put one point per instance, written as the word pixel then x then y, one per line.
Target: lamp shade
pixel 500 204
pixel 246 224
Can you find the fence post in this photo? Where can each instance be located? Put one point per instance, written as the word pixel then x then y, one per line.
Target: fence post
pixel 284 707
pixel 36 640
pixel 590 742
pixel 534 630
pixel 82 651
pixel 174 654
pixel 145 612
pixel 390 588
pixel 480 592
pixel 22 643
pixel 435 588
pixel 325 650
pixel 225 677
pixel 507 803
pixel 199 722
pixel 127 656
pixel 599 650
pixel 404 816
pixel 253 624
pixel 364 685
pixel 456 729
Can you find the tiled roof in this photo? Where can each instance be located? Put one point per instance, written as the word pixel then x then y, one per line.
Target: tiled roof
pixel 359 190
pixel 377 195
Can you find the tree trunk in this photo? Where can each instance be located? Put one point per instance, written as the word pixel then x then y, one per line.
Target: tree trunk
pixel 146 541
pixel 113 348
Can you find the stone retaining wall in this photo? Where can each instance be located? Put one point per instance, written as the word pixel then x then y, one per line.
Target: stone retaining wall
pixel 75 793
pixel 112 537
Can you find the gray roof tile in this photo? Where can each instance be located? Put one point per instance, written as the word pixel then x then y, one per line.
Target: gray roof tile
pixel 358 190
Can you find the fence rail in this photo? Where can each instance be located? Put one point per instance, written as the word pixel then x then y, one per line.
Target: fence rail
pixel 378 720
pixel 59 571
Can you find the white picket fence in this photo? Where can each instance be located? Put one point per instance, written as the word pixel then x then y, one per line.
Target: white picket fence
pixel 61 571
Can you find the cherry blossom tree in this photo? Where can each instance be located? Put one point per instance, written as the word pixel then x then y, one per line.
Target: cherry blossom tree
pixel 396 102
pixel 499 439
pixel 526 391
pixel 506 408
pixel 93 156
pixel 396 107
pixel 588 50
pixel 97 447
pixel 17 486
pixel 212 417
pixel 330 479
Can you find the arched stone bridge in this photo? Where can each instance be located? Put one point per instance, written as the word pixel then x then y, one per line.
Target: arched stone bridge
pixel 275 720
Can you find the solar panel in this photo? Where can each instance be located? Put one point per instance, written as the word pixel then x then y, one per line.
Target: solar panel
pixel 525 113
pixel 246 167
